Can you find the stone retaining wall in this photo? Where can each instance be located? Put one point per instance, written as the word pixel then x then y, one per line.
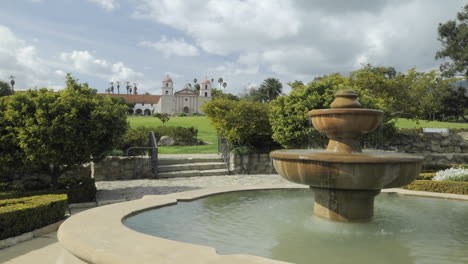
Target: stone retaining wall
pixel 428 143
pixel 122 168
pixel 437 148
pixel 251 164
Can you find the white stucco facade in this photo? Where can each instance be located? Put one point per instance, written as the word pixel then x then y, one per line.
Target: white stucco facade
pixel 187 100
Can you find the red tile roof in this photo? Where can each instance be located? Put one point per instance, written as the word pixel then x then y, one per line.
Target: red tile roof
pixel 137 98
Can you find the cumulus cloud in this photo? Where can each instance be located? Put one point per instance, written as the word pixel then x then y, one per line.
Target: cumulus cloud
pixel 106 4
pixel 82 61
pixel 306 38
pixel 225 26
pixel 20 59
pixel 172 47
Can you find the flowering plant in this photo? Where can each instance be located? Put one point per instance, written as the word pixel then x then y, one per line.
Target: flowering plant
pixel 452 174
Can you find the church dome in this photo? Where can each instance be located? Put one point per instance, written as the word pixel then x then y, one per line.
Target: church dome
pixel 206 81
pixel 167 79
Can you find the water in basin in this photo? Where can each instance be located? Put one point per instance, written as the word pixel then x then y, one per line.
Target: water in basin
pixel 279 224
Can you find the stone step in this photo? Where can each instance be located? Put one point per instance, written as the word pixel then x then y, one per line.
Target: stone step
pixel 193 173
pixel 168 161
pixel 191 166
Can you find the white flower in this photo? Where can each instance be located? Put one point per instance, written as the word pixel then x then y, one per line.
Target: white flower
pixel 452 174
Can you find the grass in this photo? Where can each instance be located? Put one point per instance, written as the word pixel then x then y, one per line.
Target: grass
pixel 408 123
pixel 206 132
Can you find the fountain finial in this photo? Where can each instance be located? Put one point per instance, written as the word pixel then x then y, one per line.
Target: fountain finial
pixel 346 99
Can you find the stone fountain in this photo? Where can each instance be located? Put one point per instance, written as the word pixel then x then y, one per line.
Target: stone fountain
pixel 343 178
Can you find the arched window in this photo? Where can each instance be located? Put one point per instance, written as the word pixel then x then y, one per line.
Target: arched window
pixel 167 92
pixel 206 94
pixel 167 84
pixel 206 86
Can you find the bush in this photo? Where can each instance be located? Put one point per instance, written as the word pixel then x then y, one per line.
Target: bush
pixel 48 132
pixel 138 137
pixel 438 186
pixel 21 215
pixel 181 114
pixel 452 174
pixel 77 190
pixel 426 176
pixel 291 124
pixel 243 123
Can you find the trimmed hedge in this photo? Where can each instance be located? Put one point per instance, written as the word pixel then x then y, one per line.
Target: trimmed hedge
pixel 78 190
pixel 438 186
pixel 426 176
pixel 21 215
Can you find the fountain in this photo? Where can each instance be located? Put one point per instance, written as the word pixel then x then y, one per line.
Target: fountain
pixel 343 178
pixel 273 221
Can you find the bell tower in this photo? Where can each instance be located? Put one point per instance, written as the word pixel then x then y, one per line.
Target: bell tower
pixel 205 89
pixel 167 86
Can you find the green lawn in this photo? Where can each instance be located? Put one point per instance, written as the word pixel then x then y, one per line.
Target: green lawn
pixel 407 123
pixel 206 132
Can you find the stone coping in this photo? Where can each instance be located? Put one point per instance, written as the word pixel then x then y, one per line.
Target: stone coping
pixel 98 235
pixel 11 241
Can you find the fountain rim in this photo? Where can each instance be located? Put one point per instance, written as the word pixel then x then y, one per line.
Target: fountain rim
pixel 340 157
pixel 349 111
pixel 105 224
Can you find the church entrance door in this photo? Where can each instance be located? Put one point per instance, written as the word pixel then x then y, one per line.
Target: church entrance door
pixel 186 110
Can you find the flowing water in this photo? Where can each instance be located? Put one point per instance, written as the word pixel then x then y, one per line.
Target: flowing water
pixel 279 224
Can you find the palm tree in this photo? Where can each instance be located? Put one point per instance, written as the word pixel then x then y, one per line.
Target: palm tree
pixel 129 89
pixel 111 87
pixel 270 89
pixel 195 81
pixel 220 82
pixel 118 87
pixel 224 85
pixel 212 80
pixel 12 82
pixel 135 88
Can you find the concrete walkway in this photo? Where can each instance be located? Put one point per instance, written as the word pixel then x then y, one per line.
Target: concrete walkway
pixel 46 249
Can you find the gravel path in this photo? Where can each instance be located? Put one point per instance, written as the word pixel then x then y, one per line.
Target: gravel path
pixel 135 189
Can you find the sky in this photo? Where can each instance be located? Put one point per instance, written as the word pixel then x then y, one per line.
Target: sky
pixel 242 41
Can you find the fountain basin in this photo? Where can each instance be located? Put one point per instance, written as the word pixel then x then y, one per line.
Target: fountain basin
pixel 98 235
pixel 358 171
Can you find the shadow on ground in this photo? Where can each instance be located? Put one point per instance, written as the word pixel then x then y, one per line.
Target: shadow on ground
pixel 132 193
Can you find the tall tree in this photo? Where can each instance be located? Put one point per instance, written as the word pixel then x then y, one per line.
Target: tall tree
pixel 195 80
pixel 111 87
pixel 5 89
pixel 12 83
pixel 454 38
pixel 118 87
pixel 270 89
pixel 220 82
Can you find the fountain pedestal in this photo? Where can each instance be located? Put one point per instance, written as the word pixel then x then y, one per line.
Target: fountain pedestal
pixel 344 179
pixel 344 205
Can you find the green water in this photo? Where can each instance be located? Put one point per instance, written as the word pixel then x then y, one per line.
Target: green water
pixel 279 224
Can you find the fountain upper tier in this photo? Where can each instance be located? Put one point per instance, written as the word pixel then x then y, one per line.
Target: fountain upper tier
pixel 345 122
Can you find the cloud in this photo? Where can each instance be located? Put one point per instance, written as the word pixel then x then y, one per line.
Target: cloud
pixel 172 47
pixel 20 59
pixel 225 26
pixel 84 62
pixel 106 4
pixel 303 39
